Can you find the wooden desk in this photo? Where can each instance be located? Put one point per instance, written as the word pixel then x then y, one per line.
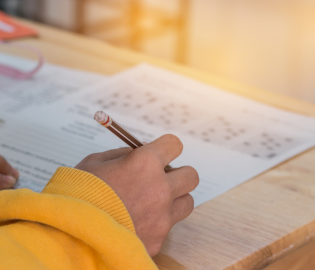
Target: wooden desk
pixel 249 227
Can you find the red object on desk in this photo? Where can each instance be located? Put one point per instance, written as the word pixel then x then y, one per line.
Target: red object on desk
pixel 9 29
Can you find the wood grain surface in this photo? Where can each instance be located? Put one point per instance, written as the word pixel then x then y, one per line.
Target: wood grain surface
pixel 248 227
pixel 302 259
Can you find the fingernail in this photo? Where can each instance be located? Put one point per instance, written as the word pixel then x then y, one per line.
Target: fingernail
pixel 10 180
pixel 15 173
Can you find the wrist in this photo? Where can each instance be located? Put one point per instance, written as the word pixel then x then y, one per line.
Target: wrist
pixel 87 187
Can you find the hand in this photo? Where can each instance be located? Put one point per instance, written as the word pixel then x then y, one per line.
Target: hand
pixel 155 199
pixel 8 175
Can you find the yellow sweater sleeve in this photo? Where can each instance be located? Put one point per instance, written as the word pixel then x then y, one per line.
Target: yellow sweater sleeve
pixel 77 222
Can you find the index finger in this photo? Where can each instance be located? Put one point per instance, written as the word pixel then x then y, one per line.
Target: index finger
pixel 5 167
pixel 167 148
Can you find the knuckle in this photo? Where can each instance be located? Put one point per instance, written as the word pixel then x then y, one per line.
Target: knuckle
pixel 146 159
pixel 193 175
pixel 165 224
pixel 155 248
pixel 117 152
pixel 93 157
pixel 90 157
pixel 158 234
pixel 190 203
pixel 166 192
pixel 183 207
pixel 186 208
pixel 125 150
pixel 161 194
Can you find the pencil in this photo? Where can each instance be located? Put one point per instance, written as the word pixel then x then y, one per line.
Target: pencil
pixel 106 121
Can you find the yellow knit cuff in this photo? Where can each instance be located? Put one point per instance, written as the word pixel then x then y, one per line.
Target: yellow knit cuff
pixel 87 187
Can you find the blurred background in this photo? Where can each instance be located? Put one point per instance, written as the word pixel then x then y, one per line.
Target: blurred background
pixel 268 44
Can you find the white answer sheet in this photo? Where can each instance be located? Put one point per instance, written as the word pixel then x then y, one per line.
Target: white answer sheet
pixel 36 151
pixel 51 84
pixel 227 138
